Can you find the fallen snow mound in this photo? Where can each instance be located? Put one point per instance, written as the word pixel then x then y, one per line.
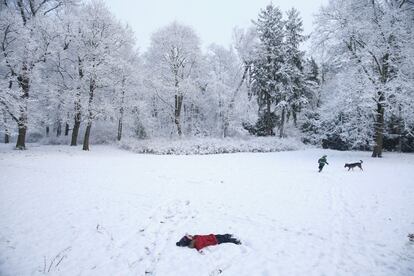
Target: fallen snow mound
pixel 211 145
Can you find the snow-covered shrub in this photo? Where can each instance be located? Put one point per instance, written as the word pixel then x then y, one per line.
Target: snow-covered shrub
pixel 211 145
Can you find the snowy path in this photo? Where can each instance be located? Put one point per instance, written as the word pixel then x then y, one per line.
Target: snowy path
pixel 111 212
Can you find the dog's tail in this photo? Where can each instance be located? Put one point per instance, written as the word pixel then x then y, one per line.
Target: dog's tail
pixel 361 161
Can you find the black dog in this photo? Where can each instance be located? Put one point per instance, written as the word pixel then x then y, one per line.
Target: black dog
pixel 353 165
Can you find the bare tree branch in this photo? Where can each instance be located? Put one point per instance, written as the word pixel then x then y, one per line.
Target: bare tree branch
pixel 53 8
pixel 6 107
pixel 20 5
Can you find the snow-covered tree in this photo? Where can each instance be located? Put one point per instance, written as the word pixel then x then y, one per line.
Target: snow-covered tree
pixel 227 99
pixel 76 61
pixel 102 39
pixel 266 71
pixel 350 126
pixel 26 30
pixel 277 70
pixel 126 81
pixel 292 95
pixel 377 37
pixel 61 72
pixel 313 79
pixel 171 63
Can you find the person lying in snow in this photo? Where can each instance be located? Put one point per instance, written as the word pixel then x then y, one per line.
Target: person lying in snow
pixel 200 241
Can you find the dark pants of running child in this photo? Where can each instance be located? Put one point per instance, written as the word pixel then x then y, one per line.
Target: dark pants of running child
pixel 321 165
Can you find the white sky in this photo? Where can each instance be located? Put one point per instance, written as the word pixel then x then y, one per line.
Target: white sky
pixel 213 20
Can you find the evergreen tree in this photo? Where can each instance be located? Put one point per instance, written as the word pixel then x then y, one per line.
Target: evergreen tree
pixel 292 97
pixel 266 71
pixel 313 82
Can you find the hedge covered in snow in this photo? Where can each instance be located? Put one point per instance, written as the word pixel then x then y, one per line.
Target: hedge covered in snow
pixel 211 145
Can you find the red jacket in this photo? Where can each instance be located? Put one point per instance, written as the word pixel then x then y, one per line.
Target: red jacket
pixel 201 241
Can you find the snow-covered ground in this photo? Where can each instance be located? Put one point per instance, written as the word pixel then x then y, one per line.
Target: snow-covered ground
pixel 113 212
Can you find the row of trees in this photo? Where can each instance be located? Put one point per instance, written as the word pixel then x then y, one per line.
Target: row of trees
pixel 66 65
pixel 261 78
pixel 62 64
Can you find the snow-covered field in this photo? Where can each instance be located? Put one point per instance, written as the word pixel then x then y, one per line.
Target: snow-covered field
pixel 113 212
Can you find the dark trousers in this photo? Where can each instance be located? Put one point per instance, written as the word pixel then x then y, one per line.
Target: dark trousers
pixel 226 238
pixel 321 167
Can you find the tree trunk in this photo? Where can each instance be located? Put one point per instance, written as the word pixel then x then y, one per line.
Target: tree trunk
pixel 21 138
pixel 22 127
pixel 121 111
pixel 400 143
pixel 58 122
pixel 177 112
pixel 119 129
pixel 295 118
pixel 75 130
pixel 87 134
pixel 399 130
pixel 76 125
pixel 379 131
pixel 282 124
pixel 90 115
pixel 226 126
pixel 22 122
pixel 66 129
pixel 269 125
pixel 47 131
pixel 6 131
pixel 59 129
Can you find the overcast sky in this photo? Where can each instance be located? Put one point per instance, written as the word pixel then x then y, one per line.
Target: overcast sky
pixel 213 20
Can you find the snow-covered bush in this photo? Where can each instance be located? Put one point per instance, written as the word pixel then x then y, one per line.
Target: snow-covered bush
pixel 211 145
